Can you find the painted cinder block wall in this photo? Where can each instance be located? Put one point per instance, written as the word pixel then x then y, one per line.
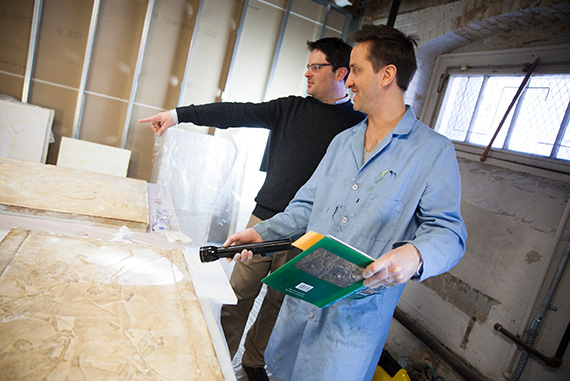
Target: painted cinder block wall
pixel 514 213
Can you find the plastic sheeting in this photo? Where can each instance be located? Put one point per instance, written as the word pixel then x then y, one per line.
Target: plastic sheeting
pixel 200 174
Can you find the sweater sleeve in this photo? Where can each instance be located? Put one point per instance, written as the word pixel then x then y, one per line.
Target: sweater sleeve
pixel 230 114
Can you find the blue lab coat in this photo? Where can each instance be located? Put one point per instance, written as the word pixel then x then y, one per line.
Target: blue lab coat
pixel 407 192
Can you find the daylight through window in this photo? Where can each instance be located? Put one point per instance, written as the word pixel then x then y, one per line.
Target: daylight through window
pixel 474 105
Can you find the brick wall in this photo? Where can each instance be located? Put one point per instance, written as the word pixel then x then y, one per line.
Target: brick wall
pixel 445 26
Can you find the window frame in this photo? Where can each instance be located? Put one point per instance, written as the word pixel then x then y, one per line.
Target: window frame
pixel 509 61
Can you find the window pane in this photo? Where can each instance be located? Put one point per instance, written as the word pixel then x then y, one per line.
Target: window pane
pixel 533 124
pixel 458 106
pixel 542 111
pixel 498 94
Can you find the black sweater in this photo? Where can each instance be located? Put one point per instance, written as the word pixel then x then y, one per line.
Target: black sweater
pixel 300 132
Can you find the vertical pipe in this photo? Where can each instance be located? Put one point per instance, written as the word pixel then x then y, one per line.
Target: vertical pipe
pixel 236 45
pixel 539 317
pixel 393 12
pixel 278 49
pixel 32 50
pixel 85 71
pixel 189 57
pixel 538 286
pixel 144 38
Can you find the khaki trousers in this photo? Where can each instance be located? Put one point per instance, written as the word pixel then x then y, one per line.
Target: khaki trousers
pixel 246 282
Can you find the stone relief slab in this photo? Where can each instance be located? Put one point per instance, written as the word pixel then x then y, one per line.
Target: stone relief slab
pixel 25 130
pixel 51 191
pixel 84 309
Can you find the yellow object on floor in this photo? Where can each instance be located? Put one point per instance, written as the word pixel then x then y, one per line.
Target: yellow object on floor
pixel 388 369
pixel 382 375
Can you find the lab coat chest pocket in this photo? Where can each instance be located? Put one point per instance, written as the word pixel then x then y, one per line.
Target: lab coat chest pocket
pixel 381 217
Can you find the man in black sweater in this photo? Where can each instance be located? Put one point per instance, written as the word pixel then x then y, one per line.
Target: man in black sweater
pixel 300 132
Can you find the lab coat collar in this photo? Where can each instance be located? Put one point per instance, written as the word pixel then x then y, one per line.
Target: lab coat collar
pixel 404 127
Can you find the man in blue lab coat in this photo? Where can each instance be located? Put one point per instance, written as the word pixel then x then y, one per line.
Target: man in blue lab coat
pixel 390 187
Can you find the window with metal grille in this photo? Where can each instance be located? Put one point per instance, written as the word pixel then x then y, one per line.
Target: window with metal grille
pixel 474 105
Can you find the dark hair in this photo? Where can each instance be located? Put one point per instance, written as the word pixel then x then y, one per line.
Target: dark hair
pixel 336 51
pixel 390 46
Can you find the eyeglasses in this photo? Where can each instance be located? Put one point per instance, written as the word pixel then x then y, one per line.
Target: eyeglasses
pixel 317 67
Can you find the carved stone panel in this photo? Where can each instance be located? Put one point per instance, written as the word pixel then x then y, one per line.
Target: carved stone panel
pixel 50 191
pixel 85 309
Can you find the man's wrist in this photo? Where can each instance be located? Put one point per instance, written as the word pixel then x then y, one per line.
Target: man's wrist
pixel 174 115
pixel 417 275
pixel 420 269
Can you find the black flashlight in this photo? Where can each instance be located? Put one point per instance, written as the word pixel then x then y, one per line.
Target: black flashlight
pixel 213 253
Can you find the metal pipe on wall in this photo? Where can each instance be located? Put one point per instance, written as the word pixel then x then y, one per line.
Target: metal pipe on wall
pixel 552 362
pixel 449 357
pixel 32 50
pixel 393 13
pixel 539 317
pixel 85 70
pixel 142 47
pixel 507 369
